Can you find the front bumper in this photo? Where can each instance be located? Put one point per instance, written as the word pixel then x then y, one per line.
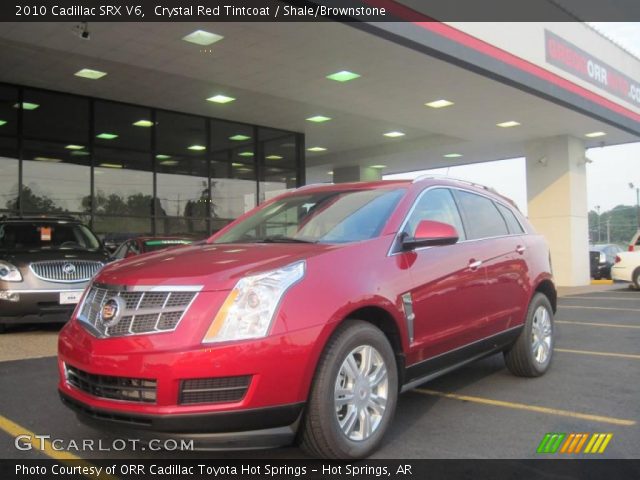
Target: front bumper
pixel 253 428
pixel 280 367
pixel 37 306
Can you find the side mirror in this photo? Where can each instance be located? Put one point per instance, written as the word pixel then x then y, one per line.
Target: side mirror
pixel 430 233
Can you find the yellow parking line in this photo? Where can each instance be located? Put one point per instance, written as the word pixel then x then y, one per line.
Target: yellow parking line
pixel 530 408
pixel 591 324
pixel 14 430
pixel 601 308
pixel 601 354
pixel 605 298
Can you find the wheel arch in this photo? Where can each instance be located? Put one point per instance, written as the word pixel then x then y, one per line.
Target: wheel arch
pixel 548 289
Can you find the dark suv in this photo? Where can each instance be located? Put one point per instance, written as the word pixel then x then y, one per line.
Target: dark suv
pixel 45 264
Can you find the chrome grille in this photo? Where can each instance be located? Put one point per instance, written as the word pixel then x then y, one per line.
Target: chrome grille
pixel 147 310
pixel 65 271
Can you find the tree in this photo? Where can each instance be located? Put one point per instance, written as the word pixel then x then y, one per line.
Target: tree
pixel 34 203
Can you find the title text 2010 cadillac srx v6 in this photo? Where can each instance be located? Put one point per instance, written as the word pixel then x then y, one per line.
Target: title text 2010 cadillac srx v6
pixel 304 319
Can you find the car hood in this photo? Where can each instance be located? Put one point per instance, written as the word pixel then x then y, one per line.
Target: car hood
pixel 25 257
pixel 212 266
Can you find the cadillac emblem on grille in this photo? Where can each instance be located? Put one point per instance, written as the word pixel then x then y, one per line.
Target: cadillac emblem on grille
pixel 69 268
pixel 111 311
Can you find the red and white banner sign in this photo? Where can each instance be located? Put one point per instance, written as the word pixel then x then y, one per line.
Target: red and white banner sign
pixel 572 59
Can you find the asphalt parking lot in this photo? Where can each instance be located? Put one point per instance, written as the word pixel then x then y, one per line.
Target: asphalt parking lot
pixel 480 411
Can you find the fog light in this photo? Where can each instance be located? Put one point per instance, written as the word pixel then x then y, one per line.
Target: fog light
pixel 9 296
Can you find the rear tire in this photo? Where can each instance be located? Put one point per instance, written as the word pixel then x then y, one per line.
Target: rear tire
pixel 636 279
pixel 353 396
pixel 532 352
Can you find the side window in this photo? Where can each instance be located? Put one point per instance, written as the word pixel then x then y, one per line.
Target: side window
pixel 133 248
pixel 512 222
pixel 437 205
pixel 481 216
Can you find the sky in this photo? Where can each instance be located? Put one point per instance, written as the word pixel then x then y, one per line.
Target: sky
pixel 609 173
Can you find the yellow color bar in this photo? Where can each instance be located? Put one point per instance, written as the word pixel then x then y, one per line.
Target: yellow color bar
pixel 606 442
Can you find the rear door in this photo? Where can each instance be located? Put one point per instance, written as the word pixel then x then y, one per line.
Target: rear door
pixel 502 254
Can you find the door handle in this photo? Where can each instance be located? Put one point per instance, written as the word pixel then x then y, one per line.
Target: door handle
pixel 520 249
pixel 474 264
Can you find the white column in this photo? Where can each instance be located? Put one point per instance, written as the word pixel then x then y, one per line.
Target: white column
pixel 557 204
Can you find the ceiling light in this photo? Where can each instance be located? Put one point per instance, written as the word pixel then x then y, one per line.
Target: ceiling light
pixel 197 148
pixel 245 154
pixel 110 165
pixel 48 159
pixel 273 157
pixel 393 134
pixel 318 119
pixel 202 37
pixel 595 134
pixel 378 166
pixel 239 137
pixel 74 147
pixel 316 149
pixel 143 123
pixel 235 164
pixel 439 103
pixel 90 74
pixel 27 106
pixel 79 153
pixel 452 155
pixel 509 124
pixel 330 172
pixel 343 76
pixel 288 145
pixel 163 157
pixel 2 122
pixel 220 99
pixel 107 136
pixel 169 162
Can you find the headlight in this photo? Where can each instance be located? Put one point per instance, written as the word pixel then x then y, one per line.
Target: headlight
pixel 9 273
pixel 249 308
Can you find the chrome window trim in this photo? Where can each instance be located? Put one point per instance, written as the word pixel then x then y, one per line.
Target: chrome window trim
pixel 394 243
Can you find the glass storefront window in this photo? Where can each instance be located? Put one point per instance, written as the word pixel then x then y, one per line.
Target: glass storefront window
pixel 55 178
pixel 154 171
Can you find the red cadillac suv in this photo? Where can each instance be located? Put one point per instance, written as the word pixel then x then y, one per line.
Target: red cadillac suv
pixel 304 319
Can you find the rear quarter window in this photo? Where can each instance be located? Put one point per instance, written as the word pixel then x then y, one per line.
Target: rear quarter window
pixel 512 222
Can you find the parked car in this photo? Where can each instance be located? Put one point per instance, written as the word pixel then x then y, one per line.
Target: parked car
pixel 45 264
pixel 627 268
pixel 140 245
pixel 305 318
pixel 601 258
pixel 634 244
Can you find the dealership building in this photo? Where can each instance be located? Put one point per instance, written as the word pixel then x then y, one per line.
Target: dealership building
pixel 166 128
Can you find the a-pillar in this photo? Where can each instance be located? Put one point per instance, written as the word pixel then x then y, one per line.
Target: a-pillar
pixel 557 204
pixel 356 174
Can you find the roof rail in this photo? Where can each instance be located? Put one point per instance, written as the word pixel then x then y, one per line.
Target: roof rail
pixel 454 179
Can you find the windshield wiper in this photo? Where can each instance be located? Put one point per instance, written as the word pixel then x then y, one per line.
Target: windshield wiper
pixel 282 239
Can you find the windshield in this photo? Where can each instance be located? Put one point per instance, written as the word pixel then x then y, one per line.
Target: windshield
pixel 324 217
pixel 46 236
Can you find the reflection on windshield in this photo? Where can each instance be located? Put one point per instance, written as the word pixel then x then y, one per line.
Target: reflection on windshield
pixel 324 217
pixel 21 236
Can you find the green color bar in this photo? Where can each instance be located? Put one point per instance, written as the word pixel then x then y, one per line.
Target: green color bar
pixel 551 442
pixel 559 440
pixel 543 443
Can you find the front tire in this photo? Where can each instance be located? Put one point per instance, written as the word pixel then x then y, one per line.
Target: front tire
pixel 353 396
pixel 532 352
pixel 636 279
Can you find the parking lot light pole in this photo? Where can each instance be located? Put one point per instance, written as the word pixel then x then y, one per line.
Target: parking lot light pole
pixel 632 186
